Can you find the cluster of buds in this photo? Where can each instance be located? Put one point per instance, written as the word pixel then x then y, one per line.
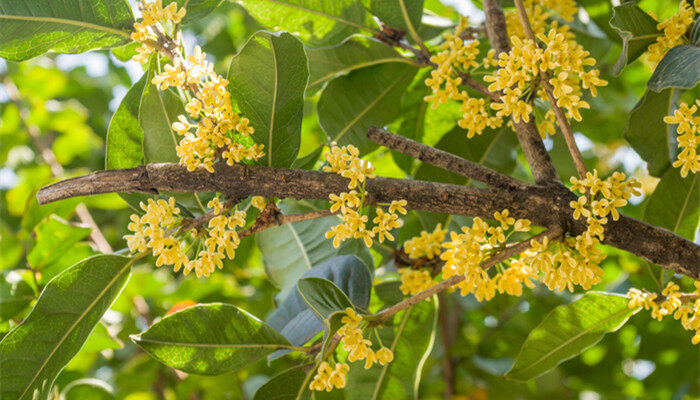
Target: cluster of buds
pixel 156 24
pixel 674 30
pixel 672 304
pixel 346 162
pixel 688 138
pixel 538 12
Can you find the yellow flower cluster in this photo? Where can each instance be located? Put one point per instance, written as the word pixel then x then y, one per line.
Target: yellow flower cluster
pixel 427 244
pixel 346 162
pixel 459 56
pixel 465 251
pixel 327 378
pixel 538 12
pixel 157 228
pixel 562 56
pixel 218 130
pixel 673 30
pixel 258 202
pixel 414 281
pixel 606 196
pixel 156 20
pixel 358 348
pixel 688 138
pixel 689 314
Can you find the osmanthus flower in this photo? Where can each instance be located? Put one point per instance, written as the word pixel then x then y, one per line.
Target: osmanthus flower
pixel 427 245
pixel 672 304
pixel 327 378
pixel 674 30
pixel 414 281
pixel 688 137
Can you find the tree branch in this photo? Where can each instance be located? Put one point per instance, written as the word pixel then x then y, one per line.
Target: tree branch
pixel 537 157
pixel 561 118
pixel 443 159
pixel 543 205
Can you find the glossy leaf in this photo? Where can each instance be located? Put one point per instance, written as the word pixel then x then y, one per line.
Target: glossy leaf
pixel 410 334
pixel 316 22
pixel 53 238
pixel 32 354
pixel 209 339
pixel 637 30
pixel 296 320
pixel 413 110
pixel 196 9
pixel 309 160
pixel 124 148
pixel 404 15
pixel 569 330
pixel 680 68
pixel 647 132
pixel 267 80
pixel 322 296
pixel 158 110
pixel 29 28
pixel 14 298
pixel 355 52
pixel 286 385
pixel 675 204
pixel 366 97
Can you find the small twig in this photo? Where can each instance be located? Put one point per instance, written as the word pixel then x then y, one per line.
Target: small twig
pixel 443 159
pixel 561 118
pixel 497 258
pixel 280 219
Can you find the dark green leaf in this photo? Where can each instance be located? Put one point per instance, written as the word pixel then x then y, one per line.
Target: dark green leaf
pixel 29 28
pixel 680 68
pixel 413 110
pixel 637 30
pixel 209 339
pixel 124 148
pixel 14 298
pixel 70 306
pixel 157 112
pixel 316 22
pixel 323 297
pixel 675 204
pixel 284 386
pixel 403 15
pixel 267 80
pixel 569 330
pixel 647 132
pixel 83 389
pixel 309 160
pixel 296 320
pixel 353 53
pixel 366 97
pixel 410 335
pixel 53 238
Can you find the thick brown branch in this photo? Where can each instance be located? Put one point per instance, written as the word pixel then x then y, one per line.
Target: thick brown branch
pixel 537 157
pixel 543 205
pixel 443 159
pixel 558 113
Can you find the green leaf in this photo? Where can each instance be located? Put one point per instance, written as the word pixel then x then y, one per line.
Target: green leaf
pixel 124 148
pixel 410 334
pixel 158 110
pixel 196 9
pixel 413 110
pixel 14 298
pixel 322 296
pixel 366 97
pixel 209 339
pixel 53 238
pixel 29 28
pixel 404 15
pixel 297 322
pixel 647 132
pixel 290 250
pixel 637 30
pixel 354 53
pixel 675 204
pixel 267 80
pixel 70 306
pixel 569 330
pixel 284 386
pixel 309 160
pixel 126 52
pixel 93 389
pixel 316 22
pixel 680 68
